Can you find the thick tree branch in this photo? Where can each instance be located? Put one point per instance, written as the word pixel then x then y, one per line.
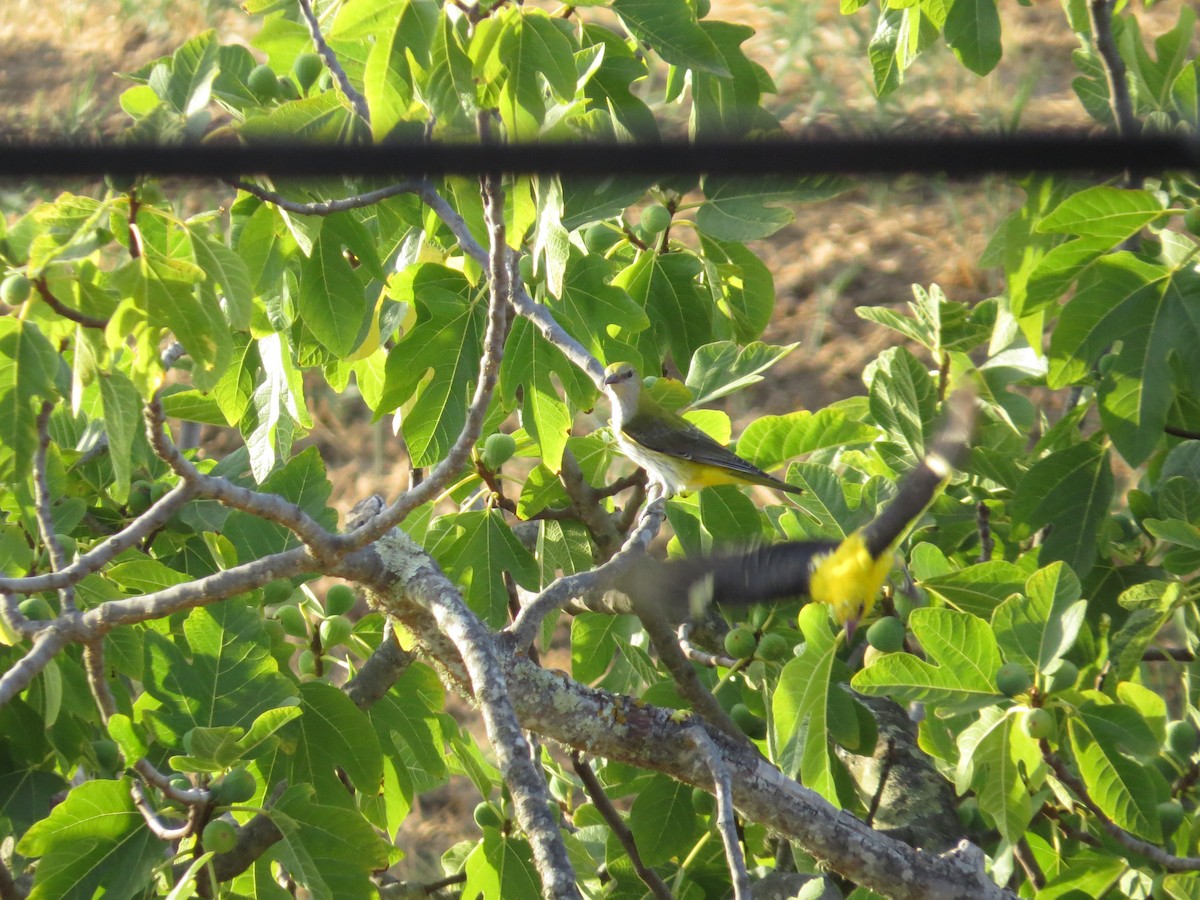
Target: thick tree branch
pixel 418 576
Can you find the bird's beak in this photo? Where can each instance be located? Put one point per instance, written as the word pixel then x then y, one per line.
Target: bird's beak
pixel 851 626
pixel 612 379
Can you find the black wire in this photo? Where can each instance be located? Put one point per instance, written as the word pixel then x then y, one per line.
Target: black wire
pixel 954 155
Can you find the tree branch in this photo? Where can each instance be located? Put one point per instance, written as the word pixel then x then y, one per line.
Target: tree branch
pixel 1153 852
pixel 381 670
pixel 724 820
pixel 460 454
pixel 419 577
pixel 271 507
pixel 44 515
pixel 357 100
pixel 79 318
pixel 325 207
pixel 102 554
pixel 1100 13
pixel 595 792
pixel 524 628
pixel 45 647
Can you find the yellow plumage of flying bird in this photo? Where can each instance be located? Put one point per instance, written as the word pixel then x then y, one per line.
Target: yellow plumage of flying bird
pixel 844 575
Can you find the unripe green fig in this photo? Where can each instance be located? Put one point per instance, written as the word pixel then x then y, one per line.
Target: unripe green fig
pixel 598 237
pixel 237 786
pixel 773 647
pixel 263 83
pixel 276 592
pixel 1039 723
pixel 306 662
pixel 15 289
pixel 274 630
pixel 139 498
pixel 1064 677
pixel 108 755
pixel 1012 679
pixel 1191 220
pixel 1182 738
pixel 655 218
pixel 525 270
pixel 703 8
pixel 486 816
pixel 339 600
pixel 870 655
pixel 335 630
pixel 287 88
pixel 292 620
pixel 1170 816
pixel 218 837
pixel 752 726
pixel 497 450
pixel 740 642
pixel 886 635
pixel 307 68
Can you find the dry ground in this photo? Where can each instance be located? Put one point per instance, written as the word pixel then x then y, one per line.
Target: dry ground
pixel 57 65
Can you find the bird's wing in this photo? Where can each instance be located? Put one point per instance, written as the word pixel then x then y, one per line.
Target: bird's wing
pixel 669 434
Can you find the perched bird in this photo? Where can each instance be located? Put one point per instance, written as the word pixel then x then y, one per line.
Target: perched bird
pixel 844 575
pixel 673 451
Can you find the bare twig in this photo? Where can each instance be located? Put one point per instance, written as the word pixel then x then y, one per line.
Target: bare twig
pixel 702 657
pixel 724 820
pixel 160 829
pixel 357 100
pixel 1153 852
pixel 691 688
pixel 99 556
pixel 585 502
pixel 93 666
pixel 45 516
pixel 271 507
pixel 80 318
pixel 983 522
pixel 45 647
pixel 209 589
pixel 460 453
pixel 1023 854
pixel 325 207
pixel 524 628
pixel 595 792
